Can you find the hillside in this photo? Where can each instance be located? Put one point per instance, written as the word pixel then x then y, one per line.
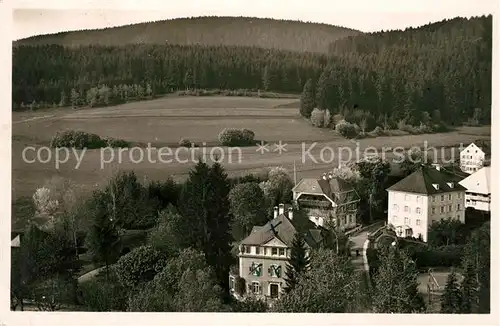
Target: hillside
pixel 238 31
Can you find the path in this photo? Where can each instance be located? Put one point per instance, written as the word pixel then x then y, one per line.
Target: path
pixel 88 276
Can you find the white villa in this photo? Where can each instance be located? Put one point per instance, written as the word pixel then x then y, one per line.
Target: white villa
pixel 427 195
pixel 478 193
pixel 472 158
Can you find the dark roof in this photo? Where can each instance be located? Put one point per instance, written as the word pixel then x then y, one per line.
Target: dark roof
pixel 422 180
pixel 284 231
pixel 334 188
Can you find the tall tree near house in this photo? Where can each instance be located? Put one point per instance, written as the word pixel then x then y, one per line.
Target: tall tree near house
pixel 205 206
pixel 452 297
pixel 307 100
pixel 396 285
pixel 469 291
pixel 322 90
pixel 298 263
pixel 248 205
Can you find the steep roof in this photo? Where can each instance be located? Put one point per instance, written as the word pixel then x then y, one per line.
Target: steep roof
pixel 422 180
pixel 284 231
pixel 478 182
pixel 334 188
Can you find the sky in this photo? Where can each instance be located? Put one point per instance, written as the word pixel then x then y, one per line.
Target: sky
pixel 365 15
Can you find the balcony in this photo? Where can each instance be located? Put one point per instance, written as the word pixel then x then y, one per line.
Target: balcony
pixel 309 203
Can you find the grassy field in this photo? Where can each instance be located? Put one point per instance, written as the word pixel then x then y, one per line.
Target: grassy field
pixel 163 122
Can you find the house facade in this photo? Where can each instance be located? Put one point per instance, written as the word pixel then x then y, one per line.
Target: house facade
pixel 426 196
pixel 478 191
pixel 472 158
pixel 263 256
pixel 328 201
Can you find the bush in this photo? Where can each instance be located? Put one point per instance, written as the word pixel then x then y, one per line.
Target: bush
pixel 318 118
pixel 236 137
pixel 139 266
pixel 184 142
pixel 99 294
pixel 81 140
pixel 378 131
pixel 346 129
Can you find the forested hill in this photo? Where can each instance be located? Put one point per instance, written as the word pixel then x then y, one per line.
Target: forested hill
pixel 238 31
pixel 439 70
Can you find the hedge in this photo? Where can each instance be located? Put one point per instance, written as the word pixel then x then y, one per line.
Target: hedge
pixel 236 137
pixel 81 140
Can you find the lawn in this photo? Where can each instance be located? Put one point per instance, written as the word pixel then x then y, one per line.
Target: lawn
pixel 165 121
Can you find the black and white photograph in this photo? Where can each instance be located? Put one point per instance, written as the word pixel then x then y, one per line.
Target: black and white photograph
pixel 251 157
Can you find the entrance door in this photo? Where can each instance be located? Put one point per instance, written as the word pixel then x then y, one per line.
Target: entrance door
pixel 274 289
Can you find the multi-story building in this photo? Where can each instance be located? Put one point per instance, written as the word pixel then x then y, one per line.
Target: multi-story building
pixel 264 253
pixel 328 201
pixel 478 193
pixel 427 195
pixel 472 158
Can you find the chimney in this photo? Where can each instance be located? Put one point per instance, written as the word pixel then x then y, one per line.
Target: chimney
pixel 290 213
pixel 281 209
pixel 275 211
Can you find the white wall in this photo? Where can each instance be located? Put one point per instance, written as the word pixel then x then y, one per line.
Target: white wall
pixel 478 201
pixel 471 159
pixel 416 210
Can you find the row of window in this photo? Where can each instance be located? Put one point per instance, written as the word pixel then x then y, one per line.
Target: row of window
pixel 442 209
pixel 273 270
pixel 407 221
pixel 272 251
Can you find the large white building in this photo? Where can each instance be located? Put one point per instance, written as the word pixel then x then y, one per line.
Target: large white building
pixel 427 195
pixel 478 193
pixel 472 158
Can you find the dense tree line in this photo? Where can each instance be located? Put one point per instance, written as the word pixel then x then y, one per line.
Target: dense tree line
pixel 228 31
pixel 438 71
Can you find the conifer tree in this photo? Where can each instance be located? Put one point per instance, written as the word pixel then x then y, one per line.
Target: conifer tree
pixel 451 299
pixel 307 101
pixel 298 262
pixel 469 291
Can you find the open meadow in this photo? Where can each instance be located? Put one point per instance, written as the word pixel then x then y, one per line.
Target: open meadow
pixel 163 122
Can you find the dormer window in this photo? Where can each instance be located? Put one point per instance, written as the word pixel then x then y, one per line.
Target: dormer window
pixel 436 186
pixel 450 184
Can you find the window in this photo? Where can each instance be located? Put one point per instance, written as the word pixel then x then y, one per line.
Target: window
pixel 442 209
pixel 275 270
pixel 256 269
pixel 407 209
pixel 433 210
pixel 407 220
pixel 274 251
pixel 282 251
pixel 407 197
pixel 458 216
pixel 256 287
pixel 418 222
pixel 474 203
pixel 418 199
pixel 449 197
pixel 449 208
pixel 442 197
pixel 395 207
pixel 458 195
pixel 247 249
pixel 458 207
pixel 419 210
pixel 257 250
pixel 433 199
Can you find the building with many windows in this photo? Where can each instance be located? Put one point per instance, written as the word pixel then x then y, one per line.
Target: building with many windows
pixel 472 158
pixel 263 255
pixel 328 201
pixel 478 193
pixel 427 195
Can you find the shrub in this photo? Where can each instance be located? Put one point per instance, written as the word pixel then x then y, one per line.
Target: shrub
pixel 236 137
pixel 184 142
pixel 99 294
pixel 378 131
pixel 318 118
pixel 81 140
pixel 346 129
pixel 139 266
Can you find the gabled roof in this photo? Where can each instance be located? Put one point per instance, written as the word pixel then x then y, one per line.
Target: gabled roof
pixel 478 182
pixel 472 146
pixel 334 188
pixel 422 180
pixel 284 231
